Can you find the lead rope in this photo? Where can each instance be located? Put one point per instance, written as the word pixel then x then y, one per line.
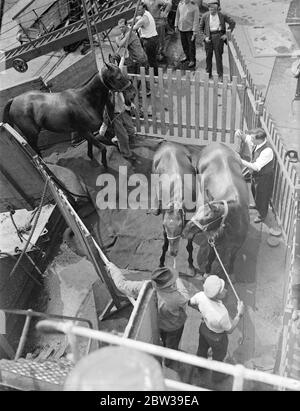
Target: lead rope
pixel 211 242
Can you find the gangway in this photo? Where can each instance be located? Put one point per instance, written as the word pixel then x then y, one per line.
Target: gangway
pixel 56 40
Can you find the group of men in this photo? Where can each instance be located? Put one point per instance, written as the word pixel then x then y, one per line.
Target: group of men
pixel 173 297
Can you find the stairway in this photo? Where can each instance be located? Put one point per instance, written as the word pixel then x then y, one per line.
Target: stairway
pixel 105 20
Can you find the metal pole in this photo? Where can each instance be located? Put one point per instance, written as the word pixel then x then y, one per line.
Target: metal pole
pixel 89 28
pixel 23 336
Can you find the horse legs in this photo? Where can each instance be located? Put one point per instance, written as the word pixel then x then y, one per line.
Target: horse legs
pixel 190 248
pixel 93 141
pixel 164 251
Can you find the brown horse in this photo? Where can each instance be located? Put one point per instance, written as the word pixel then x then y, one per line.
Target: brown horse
pixel 73 110
pixel 174 196
pixel 223 214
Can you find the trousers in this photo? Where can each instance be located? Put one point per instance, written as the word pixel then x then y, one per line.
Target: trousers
pixel 262 188
pixel 151 46
pixel 217 342
pixel 124 131
pixel 216 45
pixel 189 46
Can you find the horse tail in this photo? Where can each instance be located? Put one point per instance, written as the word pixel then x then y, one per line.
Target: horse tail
pixel 6 116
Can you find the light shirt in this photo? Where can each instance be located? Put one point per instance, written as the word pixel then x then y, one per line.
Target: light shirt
pixel 119 102
pixel 187 17
pixel 265 157
pixel 148 29
pixel 214 313
pixel 214 22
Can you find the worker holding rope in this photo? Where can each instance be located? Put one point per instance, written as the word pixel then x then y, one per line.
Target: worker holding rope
pixel 216 322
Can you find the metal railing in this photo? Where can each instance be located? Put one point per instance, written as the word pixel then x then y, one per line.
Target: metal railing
pixel 239 372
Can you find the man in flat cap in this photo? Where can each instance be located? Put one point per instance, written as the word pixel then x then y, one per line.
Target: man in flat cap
pixel 213 31
pixel 172 299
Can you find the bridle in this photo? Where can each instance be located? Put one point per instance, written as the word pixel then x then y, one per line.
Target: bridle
pixel 182 214
pixel 110 87
pixel 205 227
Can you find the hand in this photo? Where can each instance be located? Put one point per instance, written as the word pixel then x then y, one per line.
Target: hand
pixel 193 37
pixel 240 134
pixel 240 308
pixel 224 37
pixel 176 29
pixel 207 40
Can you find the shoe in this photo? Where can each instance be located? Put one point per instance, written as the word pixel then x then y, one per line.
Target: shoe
pixel 184 60
pixel 252 207
pixel 148 93
pixel 221 79
pixel 191 64
pixel 258 219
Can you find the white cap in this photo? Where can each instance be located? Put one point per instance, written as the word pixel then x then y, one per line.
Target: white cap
pixel 213 286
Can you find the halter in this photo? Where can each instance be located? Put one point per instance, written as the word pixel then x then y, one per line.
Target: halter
pixel 182 219
pixel 109 87
pixel 223 217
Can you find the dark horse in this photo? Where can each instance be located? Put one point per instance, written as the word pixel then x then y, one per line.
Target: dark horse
pixel 175 192
pixel 222 206
pixel 73 110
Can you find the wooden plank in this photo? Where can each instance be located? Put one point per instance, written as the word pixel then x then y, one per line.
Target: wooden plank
pixel 206 106
pixel 224 108
pixel 153 100
pixel 162 100
pixel 179 102
pixel 188 103
pixel 233 108
pixel 137 105
pixel 170 101
pixel 197 104
pixel 215 110
pixel 242 103
pixel 144 99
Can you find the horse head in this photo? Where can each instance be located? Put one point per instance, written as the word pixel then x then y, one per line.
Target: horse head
pixel 114 79
pixel 173 223
pixel 210 217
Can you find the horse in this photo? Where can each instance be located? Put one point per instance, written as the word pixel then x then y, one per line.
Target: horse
pixel 174 196
pixel 222 209
pixel 73 110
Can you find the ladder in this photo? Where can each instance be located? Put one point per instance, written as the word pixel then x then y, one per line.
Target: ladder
pixel 56 40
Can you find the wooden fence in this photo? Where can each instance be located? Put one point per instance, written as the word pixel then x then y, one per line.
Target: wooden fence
pixel 286 205
pixel 189 109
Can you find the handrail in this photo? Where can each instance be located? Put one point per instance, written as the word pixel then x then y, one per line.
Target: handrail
pixel 239 372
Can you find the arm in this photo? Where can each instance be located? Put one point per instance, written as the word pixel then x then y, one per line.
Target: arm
pixel 177 18
pixel 202 29
pixel 143 22
pixel 264 158
pixel 121 41
pixel 196 21
pixel 236 320
pixel 230 22
pixel 128 287
pixel 168 6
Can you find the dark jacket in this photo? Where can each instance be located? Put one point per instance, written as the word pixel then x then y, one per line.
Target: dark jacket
pixel 224 18
pixel 268 168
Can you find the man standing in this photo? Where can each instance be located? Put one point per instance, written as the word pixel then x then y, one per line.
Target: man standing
pixel 187 21
pixel 159 10
pixel 149 36
pixel 213 31
pixel 136 54
pixel 216 322
pixel 122 122
pixel 172 300
pixel 262 168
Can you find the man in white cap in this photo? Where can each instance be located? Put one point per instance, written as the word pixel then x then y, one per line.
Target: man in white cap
pixel 216 322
